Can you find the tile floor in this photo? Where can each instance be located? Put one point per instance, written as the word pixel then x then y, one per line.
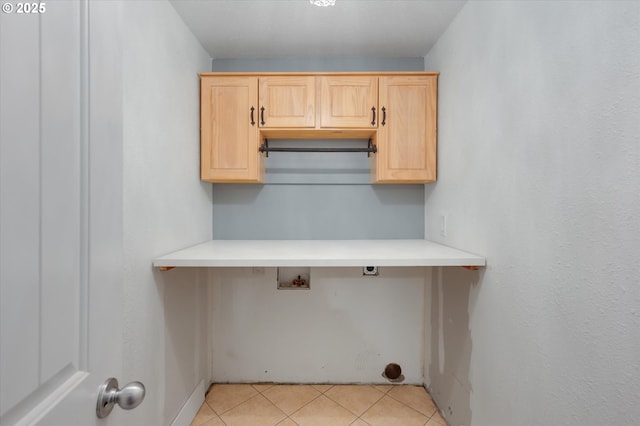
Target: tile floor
pixel 317 405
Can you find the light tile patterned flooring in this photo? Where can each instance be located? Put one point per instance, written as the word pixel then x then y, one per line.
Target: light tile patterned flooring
pixel 317 405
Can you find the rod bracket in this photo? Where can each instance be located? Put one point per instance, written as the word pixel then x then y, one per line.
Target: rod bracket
pixel 264 148
pixel 371 148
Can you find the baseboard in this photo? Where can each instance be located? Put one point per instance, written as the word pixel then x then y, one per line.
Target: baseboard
pixel 191 407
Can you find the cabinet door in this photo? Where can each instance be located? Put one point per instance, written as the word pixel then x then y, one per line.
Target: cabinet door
pixel 288 101
pixel 229 130
pixel 349 101
pixel 406 137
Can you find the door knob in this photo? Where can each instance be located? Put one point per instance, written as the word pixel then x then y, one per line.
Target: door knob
pixel 128 398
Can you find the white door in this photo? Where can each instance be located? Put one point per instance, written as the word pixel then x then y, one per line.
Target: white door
pixel 60 210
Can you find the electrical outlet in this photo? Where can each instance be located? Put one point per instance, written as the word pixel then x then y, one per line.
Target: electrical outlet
pixel 443 224
pixel 370 270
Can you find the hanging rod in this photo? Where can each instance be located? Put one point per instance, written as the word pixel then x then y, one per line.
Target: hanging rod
pixel 371 148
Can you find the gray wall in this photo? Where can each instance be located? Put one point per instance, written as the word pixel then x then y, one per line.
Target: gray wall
pixel 317 212
pixel 544 179
pixel 317 195
pixel 318 64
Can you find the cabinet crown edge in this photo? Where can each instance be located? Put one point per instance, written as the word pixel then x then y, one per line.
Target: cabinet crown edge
pixel 319 74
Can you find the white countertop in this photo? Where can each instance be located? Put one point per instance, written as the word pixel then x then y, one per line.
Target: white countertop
pixel 271 253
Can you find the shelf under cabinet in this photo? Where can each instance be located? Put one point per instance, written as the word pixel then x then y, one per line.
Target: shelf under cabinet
pixel 318 253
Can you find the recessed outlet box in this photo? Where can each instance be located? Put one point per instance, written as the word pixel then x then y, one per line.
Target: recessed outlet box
pixel 370 270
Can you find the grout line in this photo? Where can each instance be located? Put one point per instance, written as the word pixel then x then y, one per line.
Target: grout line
pixel 358 416
pixel 237 405
pixel 428 416
pixel 318 396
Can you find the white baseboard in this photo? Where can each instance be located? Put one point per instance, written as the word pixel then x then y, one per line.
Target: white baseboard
pixel 191 407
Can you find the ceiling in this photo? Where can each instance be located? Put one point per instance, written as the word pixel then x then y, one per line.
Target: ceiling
pixel 296 29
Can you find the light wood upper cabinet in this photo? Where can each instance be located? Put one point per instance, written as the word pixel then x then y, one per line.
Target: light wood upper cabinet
pixel 229 130
pixel 406 136
pixel 239 110
pixel 288 101
pixel 348 101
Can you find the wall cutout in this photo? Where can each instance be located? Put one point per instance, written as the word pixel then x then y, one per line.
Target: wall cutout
pixel 294 278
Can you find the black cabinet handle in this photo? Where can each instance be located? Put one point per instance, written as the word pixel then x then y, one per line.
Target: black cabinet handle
pixel 262 115
pixel 384 116
pixel 253 122
pixel 373 121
